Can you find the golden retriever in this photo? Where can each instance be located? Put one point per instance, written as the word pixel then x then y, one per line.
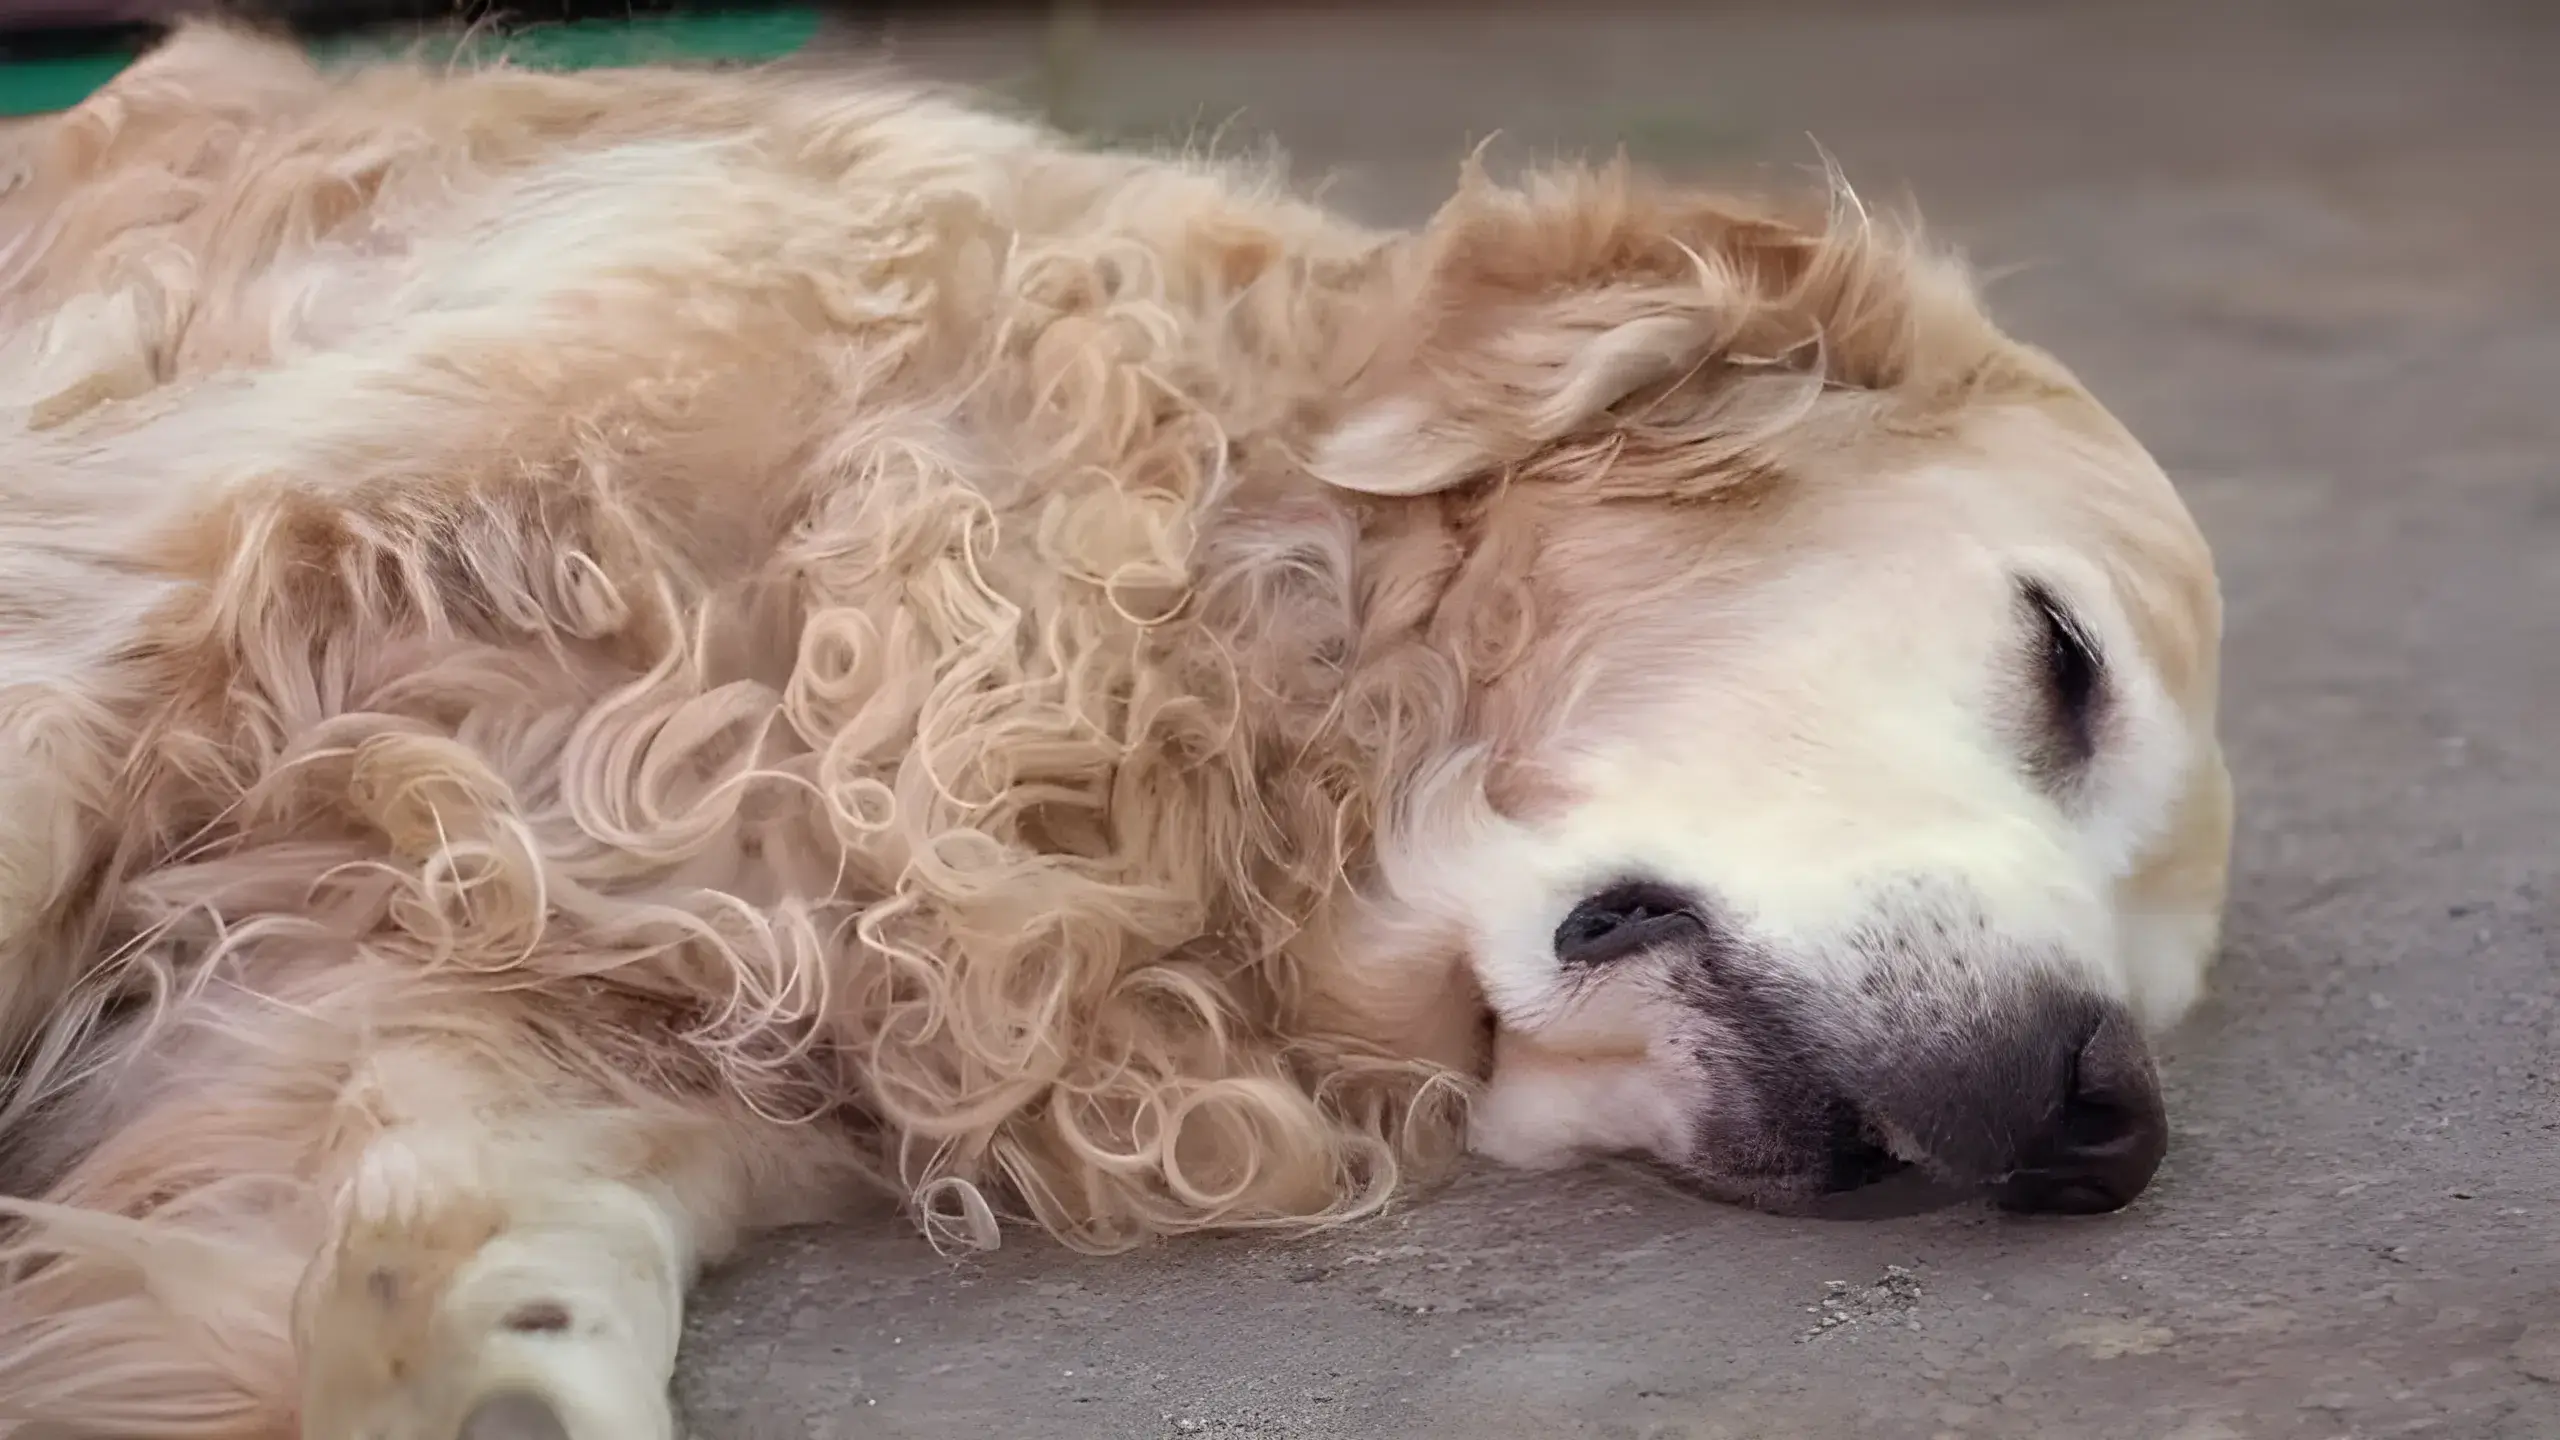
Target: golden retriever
pixel 590 664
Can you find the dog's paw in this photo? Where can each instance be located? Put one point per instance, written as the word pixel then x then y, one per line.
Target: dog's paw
pixel 445 1311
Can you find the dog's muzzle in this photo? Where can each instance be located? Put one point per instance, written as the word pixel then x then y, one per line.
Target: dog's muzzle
pixel 2055 1112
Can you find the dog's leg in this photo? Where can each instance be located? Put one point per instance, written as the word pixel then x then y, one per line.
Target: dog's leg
pixel 470 1292
pixel 506 1263
pixel 329 1232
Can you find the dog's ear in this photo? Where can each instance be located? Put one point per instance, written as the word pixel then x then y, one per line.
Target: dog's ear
pixel 1521 316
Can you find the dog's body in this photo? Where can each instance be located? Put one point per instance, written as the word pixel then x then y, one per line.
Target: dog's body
pixel 592 664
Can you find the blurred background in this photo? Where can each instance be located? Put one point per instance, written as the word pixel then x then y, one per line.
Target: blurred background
pixel 2304 248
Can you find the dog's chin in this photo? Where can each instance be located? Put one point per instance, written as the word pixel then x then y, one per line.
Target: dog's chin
pixel 1905 1192
pixel 1909 1192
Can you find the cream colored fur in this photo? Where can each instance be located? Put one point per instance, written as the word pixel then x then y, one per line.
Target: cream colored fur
pixel 590 664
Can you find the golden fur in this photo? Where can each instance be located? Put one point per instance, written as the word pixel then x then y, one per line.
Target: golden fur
pixel 703 643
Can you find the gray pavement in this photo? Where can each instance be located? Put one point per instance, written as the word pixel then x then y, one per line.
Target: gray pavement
pixel 2308 251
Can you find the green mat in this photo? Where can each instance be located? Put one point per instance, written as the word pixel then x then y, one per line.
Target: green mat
pixel 33 87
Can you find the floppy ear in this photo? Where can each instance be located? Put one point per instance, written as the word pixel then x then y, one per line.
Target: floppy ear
pixel 1524 315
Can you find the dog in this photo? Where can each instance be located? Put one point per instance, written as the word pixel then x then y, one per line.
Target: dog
pixel 592 664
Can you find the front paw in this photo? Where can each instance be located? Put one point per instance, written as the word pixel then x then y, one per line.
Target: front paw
pixel 447 1311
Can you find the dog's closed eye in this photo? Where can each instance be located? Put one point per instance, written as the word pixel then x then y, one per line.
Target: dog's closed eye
pixel 2071 677
pixel 1623 919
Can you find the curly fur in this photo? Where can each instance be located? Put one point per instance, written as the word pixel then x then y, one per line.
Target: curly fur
pixel 781 635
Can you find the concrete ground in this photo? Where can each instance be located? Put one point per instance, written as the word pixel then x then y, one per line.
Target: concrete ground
pixel 2307 251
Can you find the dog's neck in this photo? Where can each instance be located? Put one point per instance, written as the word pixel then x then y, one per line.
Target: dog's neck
pixel 1297 686
pixel 1329 607
pixel 1326 606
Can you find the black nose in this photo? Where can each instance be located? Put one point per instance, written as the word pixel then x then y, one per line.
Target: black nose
pixel 2107 1138
pixel 2052 1104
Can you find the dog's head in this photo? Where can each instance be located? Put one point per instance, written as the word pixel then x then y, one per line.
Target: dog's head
pixel 1842 680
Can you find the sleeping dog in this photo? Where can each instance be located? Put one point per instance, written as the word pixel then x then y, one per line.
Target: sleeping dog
pixel 590 664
